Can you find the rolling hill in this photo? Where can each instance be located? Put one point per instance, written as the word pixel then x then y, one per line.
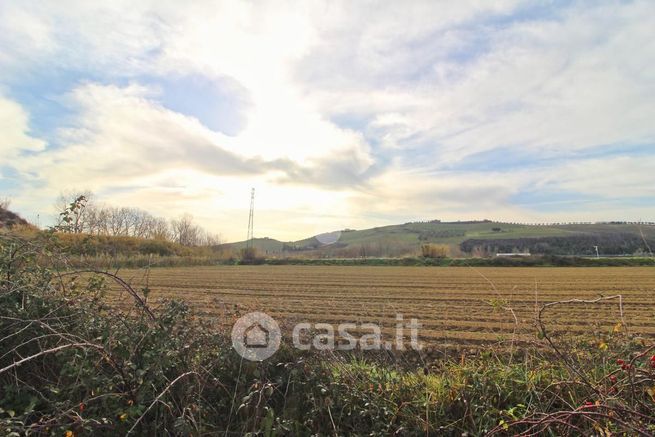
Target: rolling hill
pixel 468 237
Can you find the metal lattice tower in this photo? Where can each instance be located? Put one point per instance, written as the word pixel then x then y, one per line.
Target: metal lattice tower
pixel 251 220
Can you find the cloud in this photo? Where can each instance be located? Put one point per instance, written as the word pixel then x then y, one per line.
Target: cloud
pixel 332 108
pixel 401 194
pixel 373 45
pixel 125 146
pixel 613 177
pixel 569 81
pixel 120 134
pixel 15 138
pixel 26 37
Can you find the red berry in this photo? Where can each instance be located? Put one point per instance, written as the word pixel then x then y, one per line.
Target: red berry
pixel 589 404
pixel 612 378
pixel 620 362
pixel 652 358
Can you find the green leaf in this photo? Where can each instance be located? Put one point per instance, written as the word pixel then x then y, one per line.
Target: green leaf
pixel 267 423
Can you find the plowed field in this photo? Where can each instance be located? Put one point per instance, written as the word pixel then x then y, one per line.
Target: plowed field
pixel 457 307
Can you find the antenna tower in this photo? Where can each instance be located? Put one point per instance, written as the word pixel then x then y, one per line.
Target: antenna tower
pixel 251 218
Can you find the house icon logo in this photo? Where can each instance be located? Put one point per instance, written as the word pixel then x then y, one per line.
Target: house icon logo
pixel 256 336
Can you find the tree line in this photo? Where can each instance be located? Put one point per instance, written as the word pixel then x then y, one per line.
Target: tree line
pixel 619 243
pixel 85 215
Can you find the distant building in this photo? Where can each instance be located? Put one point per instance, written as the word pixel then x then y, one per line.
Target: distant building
pixel 514 254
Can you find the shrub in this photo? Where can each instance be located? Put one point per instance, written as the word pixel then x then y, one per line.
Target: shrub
pixel 435 250
pixel 249 255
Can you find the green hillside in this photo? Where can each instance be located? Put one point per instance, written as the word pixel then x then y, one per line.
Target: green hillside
pixel 406 239
pixel 263 245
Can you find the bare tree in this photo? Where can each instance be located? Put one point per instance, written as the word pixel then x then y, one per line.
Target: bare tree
pixel 117 221
pixel 102 221
pixel 137 223
pixel 95 219
pixel 184 231
pixel 4 203
pixel 160 229
pixel 207 238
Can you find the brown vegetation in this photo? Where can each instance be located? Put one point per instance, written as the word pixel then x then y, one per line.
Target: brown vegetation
pixel 435 250
pixel 10 219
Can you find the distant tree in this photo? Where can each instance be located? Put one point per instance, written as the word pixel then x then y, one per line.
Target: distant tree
pixel 435 250
pixel 615 243
pixel 209 239
pixel 88 217
pixel 160 229
pixel 185 232
pixel 250 255
pixel 365 250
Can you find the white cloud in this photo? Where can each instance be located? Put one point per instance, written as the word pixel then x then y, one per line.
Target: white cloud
pixel 573 81
pixel 120 134
pixel 612 177
pixel 25 37
pixel 423 85
pixel 127 146
pixel 401 194
pixel 14 132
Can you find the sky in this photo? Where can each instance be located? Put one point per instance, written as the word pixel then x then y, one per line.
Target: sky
pixel 339 113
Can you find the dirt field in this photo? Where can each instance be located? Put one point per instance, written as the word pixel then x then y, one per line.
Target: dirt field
pixel 457 307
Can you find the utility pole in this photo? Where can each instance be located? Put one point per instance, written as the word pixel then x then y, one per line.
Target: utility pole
pixel 251 219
